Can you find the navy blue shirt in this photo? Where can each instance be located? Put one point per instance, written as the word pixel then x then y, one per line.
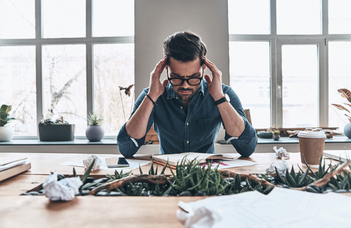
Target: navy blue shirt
pixel 194 131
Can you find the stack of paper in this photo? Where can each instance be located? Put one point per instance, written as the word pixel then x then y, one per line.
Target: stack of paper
pixel 12 167
pixel 281 208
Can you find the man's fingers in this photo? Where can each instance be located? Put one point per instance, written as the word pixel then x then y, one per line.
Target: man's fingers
pixel 160 66
pixel 208 79
pixel 210 65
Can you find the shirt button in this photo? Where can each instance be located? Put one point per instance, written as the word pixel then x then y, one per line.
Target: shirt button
pixel 181 107
pixel 187 142
pixel 187 124
pixel 176 97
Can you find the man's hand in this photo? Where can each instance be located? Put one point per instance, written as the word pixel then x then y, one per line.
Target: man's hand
pixel 214 84
pixel 157 88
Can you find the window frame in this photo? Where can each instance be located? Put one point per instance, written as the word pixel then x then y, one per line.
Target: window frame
pixel 275 40
pixel 88 41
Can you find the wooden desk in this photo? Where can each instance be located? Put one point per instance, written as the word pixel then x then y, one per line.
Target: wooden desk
pixel 90 211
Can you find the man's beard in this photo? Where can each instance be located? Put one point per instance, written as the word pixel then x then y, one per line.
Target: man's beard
pixel 186 97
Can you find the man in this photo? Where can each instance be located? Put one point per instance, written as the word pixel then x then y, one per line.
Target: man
pixel 186 110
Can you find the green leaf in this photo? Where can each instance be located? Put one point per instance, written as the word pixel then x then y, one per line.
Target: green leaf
pixel 140 170
pixel 303 178
pixel 8 109
pixel 164 168
pixel 87 172
pixel 74 172
pixel 291 182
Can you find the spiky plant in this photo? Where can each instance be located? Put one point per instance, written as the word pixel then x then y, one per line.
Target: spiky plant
pixel 94 119
pixel 346 94
pixel 4 114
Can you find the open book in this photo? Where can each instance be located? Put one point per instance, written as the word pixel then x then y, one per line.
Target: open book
pixel 173 159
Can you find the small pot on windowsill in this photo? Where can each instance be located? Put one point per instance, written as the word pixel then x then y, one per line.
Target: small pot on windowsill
pixel 276 137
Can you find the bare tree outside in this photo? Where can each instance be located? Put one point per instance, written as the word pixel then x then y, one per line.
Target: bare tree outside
pixel 113 67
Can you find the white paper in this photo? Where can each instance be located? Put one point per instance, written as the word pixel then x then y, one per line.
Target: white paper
pixel 63 190
pixel 10 165
pixel 281 152
pixel 281 168
pixel 87 162
pixel 281 209
pixel 133 164
pixel 226 164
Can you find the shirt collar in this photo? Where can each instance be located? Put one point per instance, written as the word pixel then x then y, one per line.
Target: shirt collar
pixel 171 93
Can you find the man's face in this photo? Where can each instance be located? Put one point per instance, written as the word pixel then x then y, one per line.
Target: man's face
pixel 187 70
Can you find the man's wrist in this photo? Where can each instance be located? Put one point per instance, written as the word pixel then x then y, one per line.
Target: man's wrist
pixel 152 96
pixel 218 96
pixel 221 100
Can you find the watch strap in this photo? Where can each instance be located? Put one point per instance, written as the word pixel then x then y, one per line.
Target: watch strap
pixel 220 101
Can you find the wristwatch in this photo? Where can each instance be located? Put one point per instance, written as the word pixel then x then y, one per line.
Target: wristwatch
pixel 220 101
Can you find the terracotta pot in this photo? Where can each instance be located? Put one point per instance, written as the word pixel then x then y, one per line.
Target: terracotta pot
pixel 6 133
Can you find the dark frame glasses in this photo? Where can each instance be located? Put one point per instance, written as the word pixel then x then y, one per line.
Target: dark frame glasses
pixel 188 80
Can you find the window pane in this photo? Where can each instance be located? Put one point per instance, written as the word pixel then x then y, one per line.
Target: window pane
pixel 113 67
pixel 17 19
pixel 246 19
pixel 63 18
pixel 64 84
pixel 113 18
pixel 339 77
pixel 18 87
pixel 300 85
pixel 339 16
pixel 250 79
pixel 298 17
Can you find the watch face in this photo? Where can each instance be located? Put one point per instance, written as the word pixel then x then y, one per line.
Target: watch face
pixel 227 97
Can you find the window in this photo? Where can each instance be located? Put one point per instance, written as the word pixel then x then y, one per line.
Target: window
pixel 66 58
pixel 306 59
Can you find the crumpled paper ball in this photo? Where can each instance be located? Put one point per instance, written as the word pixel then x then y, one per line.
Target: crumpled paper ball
pixel 62 190
pixel 87 162
pixel 281 168
pixel 281 152
pixel 202 217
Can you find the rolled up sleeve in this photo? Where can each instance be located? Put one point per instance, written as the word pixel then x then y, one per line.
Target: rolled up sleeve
pixel 246 143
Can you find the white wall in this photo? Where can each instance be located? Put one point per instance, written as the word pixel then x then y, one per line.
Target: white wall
pixel 157 19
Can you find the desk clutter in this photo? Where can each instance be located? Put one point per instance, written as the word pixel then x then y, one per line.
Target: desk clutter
pixel 12 167
pixel 293 132
pixel 193 178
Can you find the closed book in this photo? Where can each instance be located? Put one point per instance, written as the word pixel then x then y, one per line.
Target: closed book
pixel 7 173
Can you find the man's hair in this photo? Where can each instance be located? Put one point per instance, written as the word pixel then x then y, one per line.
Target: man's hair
pixel 184 46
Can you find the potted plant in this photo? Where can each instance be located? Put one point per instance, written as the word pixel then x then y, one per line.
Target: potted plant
pixel 94 131
pixel 346 94
pixel 59 130
pixel 276 135
pixel 6 132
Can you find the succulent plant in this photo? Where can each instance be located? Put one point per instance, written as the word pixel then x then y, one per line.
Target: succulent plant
pixel 4 114
pixel 94 119
pixel 58 121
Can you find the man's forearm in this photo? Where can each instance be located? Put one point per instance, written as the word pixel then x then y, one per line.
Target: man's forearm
pixel 137 125
pixel 233 122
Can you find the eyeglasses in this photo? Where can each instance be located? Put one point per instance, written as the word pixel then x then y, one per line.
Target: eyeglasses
pixel 191 81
